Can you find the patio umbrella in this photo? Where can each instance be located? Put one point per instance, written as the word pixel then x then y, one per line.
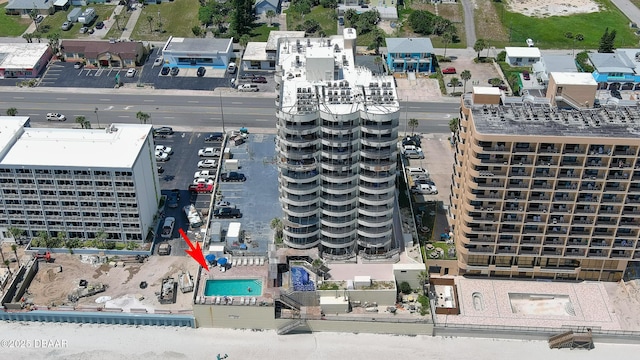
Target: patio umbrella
pixel 222 261
pixel 210 258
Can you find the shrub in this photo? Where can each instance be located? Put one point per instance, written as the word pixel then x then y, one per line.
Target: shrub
pixel 405 288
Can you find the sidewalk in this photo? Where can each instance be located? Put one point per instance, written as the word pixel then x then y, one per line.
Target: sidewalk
pixel 131 24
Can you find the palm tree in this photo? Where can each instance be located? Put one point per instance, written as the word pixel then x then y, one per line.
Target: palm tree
pixel 37 35
pixel 2 254
pixel 378 61
pixel 14 247
pixel 16 232
pixel 244 40
pixel 101 238
pixel 143 117
pixel 33 14
pixel 6 263
pixel 455 82
pixel 54 42
pixel 270 15
pixel 453 124
pixel 276 224
pixel 479 46
pixel 81 120
pixel 12 111
pixel 447 37
pixel 28 37
pixel 413 124
pixel 378 41
pixel 150 20
pixel 465 76
pixel 423 277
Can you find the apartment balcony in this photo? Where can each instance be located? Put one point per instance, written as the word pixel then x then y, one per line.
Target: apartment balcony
pixel 587 199
pixel 627 233
pixel 534 251
pixel 375 188
pixel 521 161
pixel 538 208
pixel 301 242
pixel 372 127
pixel 347 233
pixel 298 140
pixel 376 199
pixel 568 149
pixel 340 129
pixel 611 199
pixel 493 184
pixel 375 221
pixel 631 211
pixel 621 254
pixel 380 176
pixel 523 149
pixel 378 164
pixel 568 174
pixel 618 176
pixel 300 211
pixel 336 219
pixel 301 189
pixel 506 250
pixel 577 242
pixel 339 200
pixel 338 177
pixel 520 172
pixel 544 173
pixel 380 142
pixel 518 184
pixel 298 153
pixel 549 148
pixel 369 210
pixel 541 185
pixel 511 218
pixel 299 200
pixel 554 242
pixel 298 117
pixel 295 176
pixel 375 232
pixel 551 252
pixel 531 240
pixel 296 129
pixel 330 189
pixel 572 252
pixel 480 249
pixel 634 188
pixel 623 243
pixel 338 165
pixel 297 165
pixel 375 154
pixel 601 243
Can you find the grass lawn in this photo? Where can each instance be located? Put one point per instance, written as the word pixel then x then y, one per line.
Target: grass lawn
pixel 122 20
pixel 452 12
pixel 549 32
pixel 325 17
pixel 442 245
pixel 12 25
pixel 261 33
pixel 178 18
pixel 55 21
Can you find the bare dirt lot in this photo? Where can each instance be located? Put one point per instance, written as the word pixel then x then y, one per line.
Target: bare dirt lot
pixel 51 286
pixel 545 8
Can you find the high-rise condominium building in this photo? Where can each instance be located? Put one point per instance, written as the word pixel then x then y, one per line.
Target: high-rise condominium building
pixel 546 191
pixel 337 136
pixel 78 181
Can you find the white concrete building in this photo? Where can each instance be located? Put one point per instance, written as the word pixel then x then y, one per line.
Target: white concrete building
pixel 337 148
pixel 522 56
pixel 196 52
pixel 78 181
pixel 23 60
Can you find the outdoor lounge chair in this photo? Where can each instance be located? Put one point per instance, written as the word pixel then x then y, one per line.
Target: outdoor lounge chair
pixel 261 261
pixel 234 262
pixel 253 301
pixel 241 301
pixel 217 300
pixel 230 301
pixel 244 262
pixel 251 261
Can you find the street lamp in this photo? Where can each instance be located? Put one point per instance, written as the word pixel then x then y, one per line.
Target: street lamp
pixel 97 119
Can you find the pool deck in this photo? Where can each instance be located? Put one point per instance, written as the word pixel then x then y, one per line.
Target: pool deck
pixel 590 300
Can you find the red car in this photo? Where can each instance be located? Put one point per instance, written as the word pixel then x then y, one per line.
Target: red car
pixel 259 79
pixel 449 70
pixel 525 75
pixel 201 188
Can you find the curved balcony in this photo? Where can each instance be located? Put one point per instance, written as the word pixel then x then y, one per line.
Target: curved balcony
pixel 296 165
pixel 372 242
pixel 375 232
pixel 338 165
pixel 338 143
pixel 339 178
pixel 290 114
pixel 379 210
pixel 377 199
pixel 338 200
pixel 339 211
pixel 338 232
pixel 328 130
pixel 379 154
pixel 301 189
pixel 293 232
pixel 380 142
pixel 339 243
pixel 299 200
pixel 338 220
pixel 297 153
pixel 295 129
pixel 375 188
pixel 298 141
pixel 297 176
pixel 301 243
pixel 375 221
pixel 338 189
pixel 378 165
pixel 336 155
pixel 381 130
pixel 300 211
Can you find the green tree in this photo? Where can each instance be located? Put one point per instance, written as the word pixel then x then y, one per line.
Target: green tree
pixel 479 45
pixel 206 14
pixel 413 124
pixel 14 247
pixel 15 232
pixel 465 76
pixel 378 40
pixel 37 35
pixel 54 42
pixel 150 21
pixel 60 239
pixel 12 111
pixel 33 14
pixel 329 4
pixel 28 37
pixel 495 82
pixel 405 288
pixel 81 120
pixel 196 30
pixel 350 17
pixel 218 20
pixel 423 278
pixel 101 239
pixel 276 224
pixel 270 15
pixel 6 263
pixel 242 17
pixel 447 37
pixel 378 61
pixel 607 41
pixel 116 17
pixel 455 82
pixel 453 125
pixel 143 117
pixel 2 254
pixel 46 240
pixel 244 40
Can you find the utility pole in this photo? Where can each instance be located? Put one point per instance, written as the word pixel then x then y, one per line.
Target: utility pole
pixel 222 112
pixel 406 114
pixel 97 119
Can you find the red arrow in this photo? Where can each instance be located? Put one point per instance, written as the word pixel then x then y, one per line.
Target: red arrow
pixel 194 251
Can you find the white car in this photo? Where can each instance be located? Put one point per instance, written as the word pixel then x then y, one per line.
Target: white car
pixel 158 61
pixel 167 227
pixel 164 149
pixel 206 164
pixel 417 171
pixel 56 117
pixel 131 73
pixel 209 174
pixel 425 189
pixel 162 156
pixel 209 152
pixel 202 181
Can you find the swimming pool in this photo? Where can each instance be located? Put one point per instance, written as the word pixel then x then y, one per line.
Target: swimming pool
pixel 233 287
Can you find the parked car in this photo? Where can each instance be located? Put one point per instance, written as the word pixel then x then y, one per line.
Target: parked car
pixel 131 73
pixel 158 61
pixel 66 26
pixel 77 65
pixel 84 30
pixel 222 204
pixel 165 149
pixel 175 70
pixel 162 156
pixel 232 176
pixel 616 94
pixel 165 130
pixel 259 79
pixel 449 70
pixel 248 88
pixel 207 164
pixel 425 189
pixel 231 68
pixel 172 200
pixel 525 75
pixel 165 70
pixel 207 174
pixel 341 21
pixel 100 25
pixel 167 228
pixel 201 188
pixel 202 180
pixel 214 137
pixel 227 213
pixel 160 169
pixel 417 171
pixel 201 71
pixel 209 152
pixel 56 117
pixel 39 19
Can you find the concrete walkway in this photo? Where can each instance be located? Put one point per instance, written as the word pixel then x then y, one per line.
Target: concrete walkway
pixel 469 22
pixel 131 24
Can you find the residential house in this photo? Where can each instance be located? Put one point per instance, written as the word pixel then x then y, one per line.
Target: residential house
pixel 262 6
pixel 617 71
pixel 522 56
pixel 553 63
pixel 104 53
pixel 24 7
pixel 410 54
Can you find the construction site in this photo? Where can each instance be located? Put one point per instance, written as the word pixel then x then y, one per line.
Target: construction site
pixel 103 283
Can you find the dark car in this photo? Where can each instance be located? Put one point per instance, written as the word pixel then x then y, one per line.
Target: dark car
pixel 525 75
pixel 246 76
pixel 341 21
pixel 227 212
pixel 160 169
pixel 172 200
pixel 165 130
pixel 232 176
pixel 175 70
pixel 259 79
pixel 616 94
pixel 214 137
pixel 411 140
pixel 201 71
pixel 165 70
pixel 99 25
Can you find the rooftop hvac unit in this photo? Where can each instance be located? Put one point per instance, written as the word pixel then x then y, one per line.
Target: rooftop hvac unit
pixel 308 42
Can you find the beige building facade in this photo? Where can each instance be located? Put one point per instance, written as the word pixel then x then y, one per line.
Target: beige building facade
pixel 540 192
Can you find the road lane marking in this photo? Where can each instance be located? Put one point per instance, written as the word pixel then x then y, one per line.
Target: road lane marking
pixel 105 99
pixel 62 99
pixel 19 97
pixel 33 114
pixel 236 103
pixel 193 101
pixel 169 117
pixel 148 100
pixel 262 119
pixel 415 107
pixel 124 116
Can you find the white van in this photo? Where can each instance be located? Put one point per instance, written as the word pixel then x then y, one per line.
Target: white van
pixel 417 171
pixel 425 189
pixel 231 68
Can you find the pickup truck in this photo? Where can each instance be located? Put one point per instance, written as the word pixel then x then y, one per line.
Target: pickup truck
pixel 209 152
pixel 164 249
pixel 207 174
pixel 227 212
pixel 167 228
pixel 201 187
pixel 232 176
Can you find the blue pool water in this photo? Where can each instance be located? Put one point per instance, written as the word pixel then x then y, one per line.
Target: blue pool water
pixel 233 287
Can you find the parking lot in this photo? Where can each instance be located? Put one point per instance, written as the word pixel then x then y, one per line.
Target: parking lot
pixel 63 74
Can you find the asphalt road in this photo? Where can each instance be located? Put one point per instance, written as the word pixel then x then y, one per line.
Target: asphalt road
pixel 187 112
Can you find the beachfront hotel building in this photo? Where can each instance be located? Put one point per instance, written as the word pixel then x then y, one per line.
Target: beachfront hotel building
pixel 77 181
pixel 337 130
pixel 543 190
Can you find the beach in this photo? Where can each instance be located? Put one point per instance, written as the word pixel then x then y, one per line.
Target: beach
pixel 96 342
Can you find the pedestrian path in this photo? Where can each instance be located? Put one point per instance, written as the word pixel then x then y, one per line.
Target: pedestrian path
pixel 131 24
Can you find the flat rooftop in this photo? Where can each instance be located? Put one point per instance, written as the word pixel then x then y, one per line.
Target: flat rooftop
pixel 98 148
pixel 198 46
pixel 534 116
pixel 255 51
pixel 274 36
pixel 320 73
pixel 21 56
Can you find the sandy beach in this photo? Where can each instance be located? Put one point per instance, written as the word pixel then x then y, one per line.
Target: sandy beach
pixel 126 342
